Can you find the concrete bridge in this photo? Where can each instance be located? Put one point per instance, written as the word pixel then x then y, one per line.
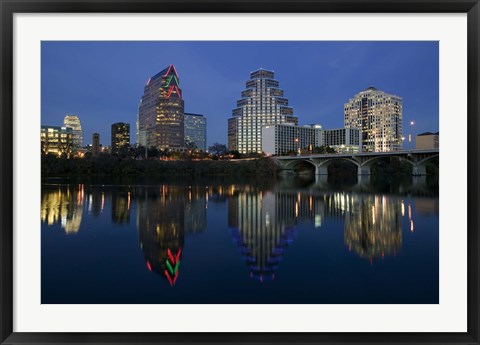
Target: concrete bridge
pixel 364 161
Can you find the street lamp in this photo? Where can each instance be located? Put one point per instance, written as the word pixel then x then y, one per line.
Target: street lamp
pixel 297 148
pixel 411 131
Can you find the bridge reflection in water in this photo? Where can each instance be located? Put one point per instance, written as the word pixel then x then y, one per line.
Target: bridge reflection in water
pixel 263 221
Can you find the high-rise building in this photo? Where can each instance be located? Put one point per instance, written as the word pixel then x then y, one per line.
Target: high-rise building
pixel 137 133
pixel 379 116
pixel 161 112
pixel 57 140
pixel 73 122
pixel 96 144
pixel 120 136
pixel 262 104
pixel 195 130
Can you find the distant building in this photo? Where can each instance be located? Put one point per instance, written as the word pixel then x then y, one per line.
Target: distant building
pixel 262 104
pixel 57 140
pixel 427 140
pixel 195 130
pixel 379 117
pixel 343 140
pixel 137 134
pixel 161 112
pixel 284 138
pixel 280 139
pixel 120 136
pixel 73 122
pixel 96 149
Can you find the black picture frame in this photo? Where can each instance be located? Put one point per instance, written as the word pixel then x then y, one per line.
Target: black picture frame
pixel 9 7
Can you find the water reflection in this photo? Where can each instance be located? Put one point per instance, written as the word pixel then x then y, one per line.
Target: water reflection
pixel 373 225
pixel 263 228
pixel 263 221
pixel 164 216
pixel 121 206
pixel 64 205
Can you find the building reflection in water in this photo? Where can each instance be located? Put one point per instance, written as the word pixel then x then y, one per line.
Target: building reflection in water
pixel 373 227
pixel 64 205
pixel 164 216
pixel 262 225
pixel 96 201
pixel 121 206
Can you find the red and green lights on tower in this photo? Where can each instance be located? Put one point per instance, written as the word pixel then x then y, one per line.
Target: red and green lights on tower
pixel 172 83
pixel 172 263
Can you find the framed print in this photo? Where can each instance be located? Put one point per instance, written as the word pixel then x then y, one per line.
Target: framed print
pixel 193 172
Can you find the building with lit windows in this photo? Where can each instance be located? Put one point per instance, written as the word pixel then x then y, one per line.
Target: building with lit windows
pixel 195 131
pixel 379 117
pixel 286 138
pixel 57 140
pixel 343 140
pixel 427 140
pixel 73 122
pixel 161 112
pixel 120 136
pixel 262 104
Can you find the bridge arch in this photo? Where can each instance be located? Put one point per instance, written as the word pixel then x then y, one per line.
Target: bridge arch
pixel 322 166
pixel 294 162
pixel 329 161
pixel 427 159
pixel 372 160
pixel 420 167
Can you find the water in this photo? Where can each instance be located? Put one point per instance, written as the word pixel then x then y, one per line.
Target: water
pixel 217 240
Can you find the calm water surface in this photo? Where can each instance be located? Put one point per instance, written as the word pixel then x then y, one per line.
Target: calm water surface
pixel 289 240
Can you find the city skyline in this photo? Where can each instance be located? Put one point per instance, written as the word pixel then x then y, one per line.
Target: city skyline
pixel 318 77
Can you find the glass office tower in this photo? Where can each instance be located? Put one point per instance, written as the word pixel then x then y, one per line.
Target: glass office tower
pixel 379 116
pixel 161 112
pixel 262 104
pixel 120 136
pixel 195 131
pixel 73 122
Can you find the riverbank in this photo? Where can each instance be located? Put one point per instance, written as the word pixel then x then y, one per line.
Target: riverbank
pixel 52 166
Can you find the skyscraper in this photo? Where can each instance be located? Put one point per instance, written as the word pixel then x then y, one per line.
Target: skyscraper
pixel 73 122
pixel 120 136
pixel 161 111
pixel 262 103
pixel 379 117
pixel 195 130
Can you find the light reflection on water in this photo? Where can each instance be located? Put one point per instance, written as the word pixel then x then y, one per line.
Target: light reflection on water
pixel 269 223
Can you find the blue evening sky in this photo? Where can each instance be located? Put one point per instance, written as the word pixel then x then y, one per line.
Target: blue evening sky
pixel 102 82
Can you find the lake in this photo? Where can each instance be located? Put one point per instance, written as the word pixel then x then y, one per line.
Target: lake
pixel 219 240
